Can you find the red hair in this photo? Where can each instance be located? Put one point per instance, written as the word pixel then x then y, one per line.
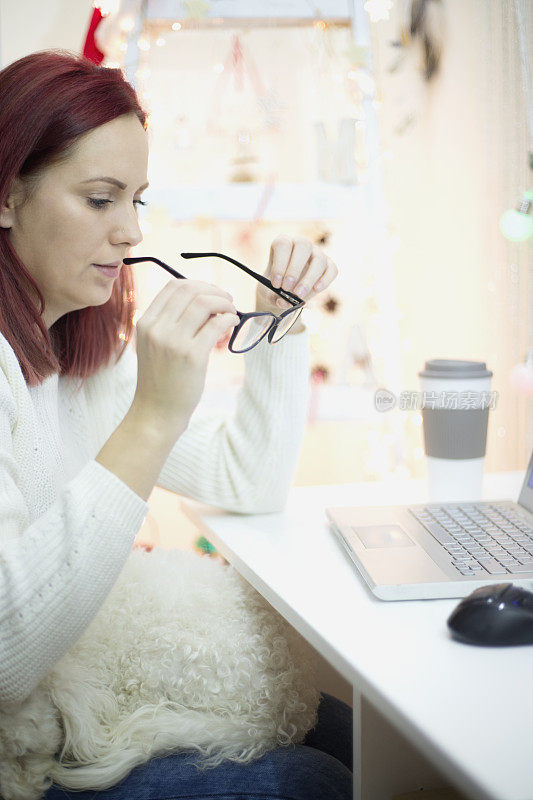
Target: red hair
pixel 47 100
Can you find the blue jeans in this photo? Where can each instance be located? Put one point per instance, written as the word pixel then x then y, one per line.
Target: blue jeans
pixel 318 769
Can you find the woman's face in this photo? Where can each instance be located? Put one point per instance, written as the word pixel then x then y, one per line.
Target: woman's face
pixel 73 221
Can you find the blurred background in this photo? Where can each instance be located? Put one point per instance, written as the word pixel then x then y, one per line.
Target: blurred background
pixel 395 141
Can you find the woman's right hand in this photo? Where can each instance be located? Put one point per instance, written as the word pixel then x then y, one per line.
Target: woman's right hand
pixel 175 336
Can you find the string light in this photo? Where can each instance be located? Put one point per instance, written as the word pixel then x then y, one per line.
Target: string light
pixel 176 26
pixel 218 68
pixel 160 41
pixel 143 43
pixel 127 24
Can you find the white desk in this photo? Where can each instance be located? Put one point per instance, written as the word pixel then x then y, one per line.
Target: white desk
pixel 428 711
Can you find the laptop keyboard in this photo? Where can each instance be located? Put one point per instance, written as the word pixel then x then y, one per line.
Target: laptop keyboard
pixel 480 537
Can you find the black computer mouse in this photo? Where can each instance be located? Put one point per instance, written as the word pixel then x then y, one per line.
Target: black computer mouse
pixel 497 614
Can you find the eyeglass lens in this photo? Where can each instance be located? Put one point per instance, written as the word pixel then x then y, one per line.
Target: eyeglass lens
pixel 251 331
pixel 254 328
pixel 286 323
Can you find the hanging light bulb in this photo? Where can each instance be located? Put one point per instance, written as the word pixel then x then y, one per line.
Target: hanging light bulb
pixel 517 224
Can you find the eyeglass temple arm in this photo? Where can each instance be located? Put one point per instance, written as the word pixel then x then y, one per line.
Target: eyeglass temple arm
pixel 138 259
pixel 289 296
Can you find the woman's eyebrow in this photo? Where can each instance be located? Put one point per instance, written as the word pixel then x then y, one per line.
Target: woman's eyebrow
pixel 114 181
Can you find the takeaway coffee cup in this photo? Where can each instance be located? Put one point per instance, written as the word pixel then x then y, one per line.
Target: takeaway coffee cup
pixel 455 401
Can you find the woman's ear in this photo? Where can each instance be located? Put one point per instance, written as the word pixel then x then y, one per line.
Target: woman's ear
pixel 7 209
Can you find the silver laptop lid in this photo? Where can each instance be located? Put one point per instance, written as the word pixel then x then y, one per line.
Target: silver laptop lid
pixel 526 493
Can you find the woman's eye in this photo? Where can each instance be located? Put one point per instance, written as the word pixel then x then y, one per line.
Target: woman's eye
pixel 99 202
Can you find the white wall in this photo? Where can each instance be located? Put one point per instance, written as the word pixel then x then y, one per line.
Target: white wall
pixel 32 25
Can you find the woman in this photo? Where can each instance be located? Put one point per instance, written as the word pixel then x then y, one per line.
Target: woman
pixel 88 426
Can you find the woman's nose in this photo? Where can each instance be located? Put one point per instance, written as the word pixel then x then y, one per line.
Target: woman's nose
pixel 128 231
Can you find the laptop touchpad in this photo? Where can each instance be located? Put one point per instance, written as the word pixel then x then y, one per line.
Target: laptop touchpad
pixel 383 536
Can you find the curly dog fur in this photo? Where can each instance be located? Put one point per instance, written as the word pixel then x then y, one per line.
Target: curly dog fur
pixel 183 655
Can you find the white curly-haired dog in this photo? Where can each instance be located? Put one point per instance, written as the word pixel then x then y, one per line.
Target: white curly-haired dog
pixel 183 654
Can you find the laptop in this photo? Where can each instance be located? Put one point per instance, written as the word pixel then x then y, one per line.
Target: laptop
pixel 438 550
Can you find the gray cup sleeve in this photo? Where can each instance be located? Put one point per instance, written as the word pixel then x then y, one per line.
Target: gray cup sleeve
pixel 455 433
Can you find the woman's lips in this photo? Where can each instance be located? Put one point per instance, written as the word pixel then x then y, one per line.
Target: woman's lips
pixel 111 272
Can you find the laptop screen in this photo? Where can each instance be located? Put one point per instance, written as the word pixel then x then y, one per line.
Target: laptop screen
pixel 526 493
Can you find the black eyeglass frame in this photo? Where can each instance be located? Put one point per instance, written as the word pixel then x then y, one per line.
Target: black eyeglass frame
pixel 291 298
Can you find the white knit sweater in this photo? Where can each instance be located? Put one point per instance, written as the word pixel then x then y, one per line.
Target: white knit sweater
pixel 67 524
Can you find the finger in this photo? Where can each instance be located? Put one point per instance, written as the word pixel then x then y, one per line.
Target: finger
pixel 324 280
pixel 214 328
pixel 158 303
pixel 176 295
pixel 312 273
pixel 200 310
pixel 301 253
pixel 170 303
pixel 280 254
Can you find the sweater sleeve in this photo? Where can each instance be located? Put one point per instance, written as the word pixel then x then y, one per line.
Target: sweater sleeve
pixel 245 462
pixel 56 572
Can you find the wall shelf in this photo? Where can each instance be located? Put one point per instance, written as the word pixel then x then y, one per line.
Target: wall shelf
pixel 252 10
pixel 241 201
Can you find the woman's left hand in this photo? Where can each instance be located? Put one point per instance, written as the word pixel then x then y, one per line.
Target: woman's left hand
pixel 298 265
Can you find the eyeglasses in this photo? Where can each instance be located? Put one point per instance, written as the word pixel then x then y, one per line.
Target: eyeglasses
pixel 255 325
